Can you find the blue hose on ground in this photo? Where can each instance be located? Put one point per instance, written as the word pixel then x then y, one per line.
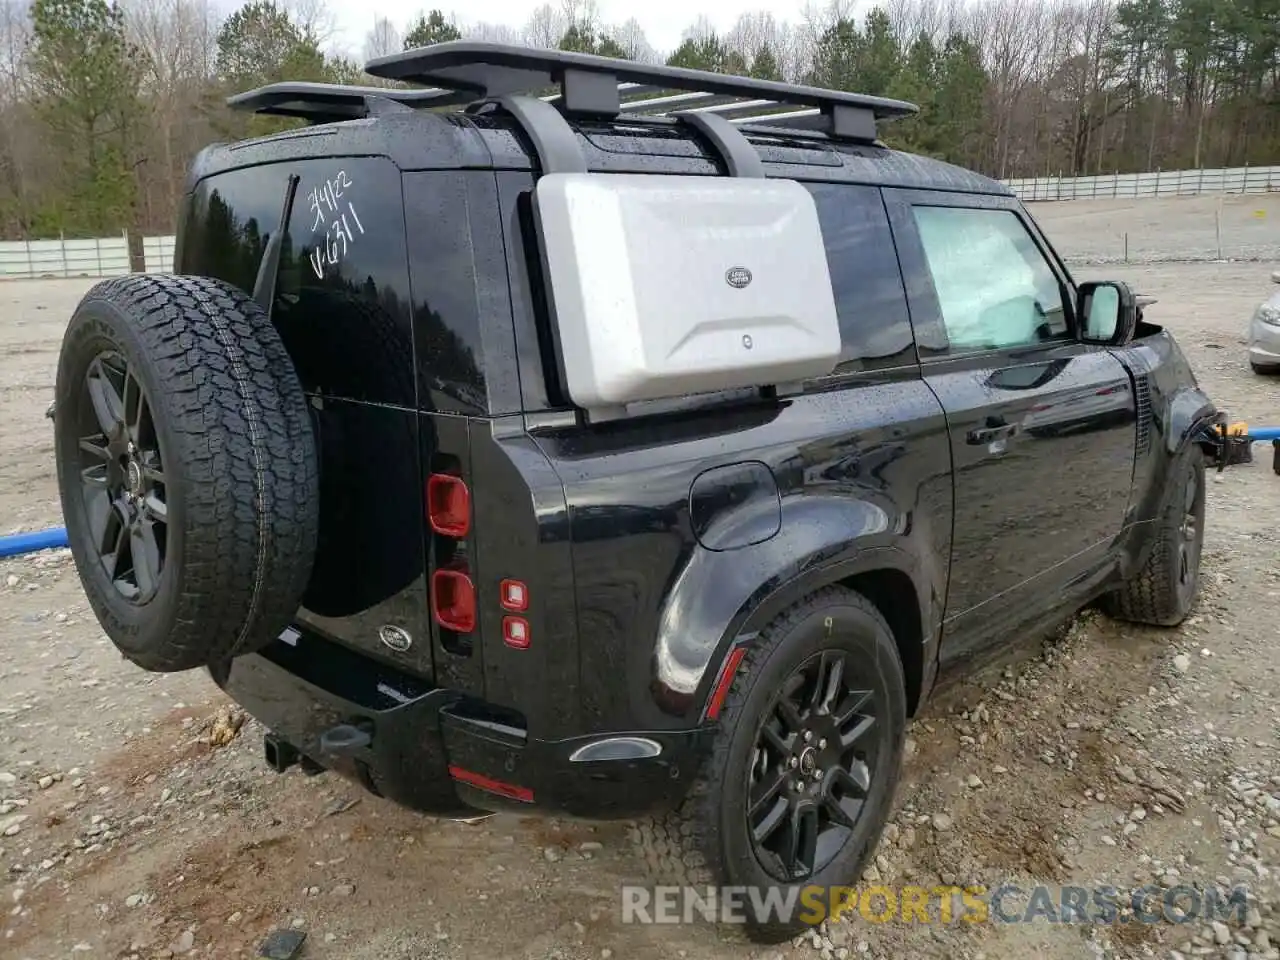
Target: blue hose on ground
pixel 31 542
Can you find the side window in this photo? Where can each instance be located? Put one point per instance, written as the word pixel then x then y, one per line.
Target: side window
pixel 995 289
pixel 870 301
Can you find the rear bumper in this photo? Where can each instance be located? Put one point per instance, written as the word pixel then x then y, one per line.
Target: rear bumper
pixel 437 751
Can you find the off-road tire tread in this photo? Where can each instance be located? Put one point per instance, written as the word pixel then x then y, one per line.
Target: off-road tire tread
pixel 247 458
pixel 671 845
pixel 1147 597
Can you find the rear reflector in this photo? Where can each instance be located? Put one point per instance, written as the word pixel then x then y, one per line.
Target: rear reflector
pixel 515 632
pixel 725 681
pixel 448 505
pixel 453 600
pixel 515 596
pixel 488 784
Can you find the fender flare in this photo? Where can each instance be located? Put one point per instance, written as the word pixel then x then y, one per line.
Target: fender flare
pixel 721 600
pixel 1189 417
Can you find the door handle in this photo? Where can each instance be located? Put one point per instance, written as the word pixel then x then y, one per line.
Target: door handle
pixel 990 434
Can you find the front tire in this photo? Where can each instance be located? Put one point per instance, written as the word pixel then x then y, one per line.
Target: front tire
pixel 1163 591
pixel 803 768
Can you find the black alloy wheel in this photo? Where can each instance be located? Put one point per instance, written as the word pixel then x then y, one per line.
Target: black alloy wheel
pixel 122 478
pixel 1190 538
pixel 811 774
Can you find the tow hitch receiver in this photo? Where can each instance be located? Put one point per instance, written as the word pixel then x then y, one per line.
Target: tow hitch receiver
pixel 280 754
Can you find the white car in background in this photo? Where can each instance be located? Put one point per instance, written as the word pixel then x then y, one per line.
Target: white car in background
pixel 1264 333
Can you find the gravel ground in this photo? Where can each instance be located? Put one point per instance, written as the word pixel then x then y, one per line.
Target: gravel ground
pixel 137 821
pixel 1147 231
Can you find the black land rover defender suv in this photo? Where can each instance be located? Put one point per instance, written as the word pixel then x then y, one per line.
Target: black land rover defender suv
pixel 573 435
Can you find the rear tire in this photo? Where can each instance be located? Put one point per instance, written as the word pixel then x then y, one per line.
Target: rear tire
pixel 1163 591
pixel 1264 369
pixel 709 839
pixel 186 467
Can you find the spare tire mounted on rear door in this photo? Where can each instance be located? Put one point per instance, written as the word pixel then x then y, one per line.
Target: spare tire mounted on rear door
pixel 187 469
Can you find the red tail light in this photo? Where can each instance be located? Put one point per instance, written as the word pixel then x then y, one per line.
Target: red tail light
pixel 453 600
pixel 515 632
pixel 448 505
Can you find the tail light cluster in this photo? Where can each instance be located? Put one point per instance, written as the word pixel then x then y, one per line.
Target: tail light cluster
pixel 453 593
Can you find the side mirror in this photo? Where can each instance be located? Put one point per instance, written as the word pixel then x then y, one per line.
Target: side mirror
pixel 1108 313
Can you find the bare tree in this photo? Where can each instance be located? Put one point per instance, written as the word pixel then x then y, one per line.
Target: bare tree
pixel 545 27
pixel 383 40
pixel 701 30
pixel 314 18
pixel 177 41
pixel 630 37
pixel 583 14
pixel 496 32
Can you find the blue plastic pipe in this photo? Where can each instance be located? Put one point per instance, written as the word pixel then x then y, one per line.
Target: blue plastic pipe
pixel 57 536
pixel 31 542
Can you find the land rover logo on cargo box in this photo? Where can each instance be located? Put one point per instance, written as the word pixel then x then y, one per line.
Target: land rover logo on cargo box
pixel 737 277
pixel 395 638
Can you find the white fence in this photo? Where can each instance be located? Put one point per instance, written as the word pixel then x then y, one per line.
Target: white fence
pixel 109 256
pixel 94 257
pixel 1161 183
pixel 100 257
pixel 159 253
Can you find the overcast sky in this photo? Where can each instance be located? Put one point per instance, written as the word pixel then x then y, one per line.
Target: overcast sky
pixel 663 20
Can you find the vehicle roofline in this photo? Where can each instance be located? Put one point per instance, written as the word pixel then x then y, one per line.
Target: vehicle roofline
pixel 460 144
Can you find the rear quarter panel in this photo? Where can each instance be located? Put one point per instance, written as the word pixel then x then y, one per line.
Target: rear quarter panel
pixel 862 470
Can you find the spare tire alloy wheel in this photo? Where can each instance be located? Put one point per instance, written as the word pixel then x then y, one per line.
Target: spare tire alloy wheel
pixel 811 774
pixel 122 477
pixel 186 467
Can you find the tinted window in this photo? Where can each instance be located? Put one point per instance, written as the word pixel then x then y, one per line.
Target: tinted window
pixel 874 323
pixel 447 286
pixel 232 215
pixel 341 300
pixel 995 289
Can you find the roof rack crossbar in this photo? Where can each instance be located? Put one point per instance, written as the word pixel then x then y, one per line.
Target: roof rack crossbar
pixel 328 102
pixel 590 84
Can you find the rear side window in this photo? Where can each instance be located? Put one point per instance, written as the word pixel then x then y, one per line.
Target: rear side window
pixel 875 326
pixel 342 302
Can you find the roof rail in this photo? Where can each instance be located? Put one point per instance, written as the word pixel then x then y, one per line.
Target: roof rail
pixel 328 102
pixel 596 85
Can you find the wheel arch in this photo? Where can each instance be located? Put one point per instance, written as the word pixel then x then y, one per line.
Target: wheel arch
pixel 887 577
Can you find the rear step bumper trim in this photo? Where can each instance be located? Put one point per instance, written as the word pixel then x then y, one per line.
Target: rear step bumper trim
pixel 425 753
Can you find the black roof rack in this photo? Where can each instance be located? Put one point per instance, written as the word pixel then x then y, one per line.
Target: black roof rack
pixel 329 102
pixel 595 85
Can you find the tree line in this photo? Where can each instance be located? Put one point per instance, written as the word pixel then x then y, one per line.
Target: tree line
pixel 105 103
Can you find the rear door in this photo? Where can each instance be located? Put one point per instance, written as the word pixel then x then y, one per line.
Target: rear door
pixel 1042 428
pixel 342 307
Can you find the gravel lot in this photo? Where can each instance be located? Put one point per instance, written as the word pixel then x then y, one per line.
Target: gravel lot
pixel 136 819
pixel 1150 231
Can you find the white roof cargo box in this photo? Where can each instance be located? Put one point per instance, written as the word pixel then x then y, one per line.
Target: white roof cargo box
pixel 664 286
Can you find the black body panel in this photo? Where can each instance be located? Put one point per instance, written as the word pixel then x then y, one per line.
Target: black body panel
pixel 862 466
